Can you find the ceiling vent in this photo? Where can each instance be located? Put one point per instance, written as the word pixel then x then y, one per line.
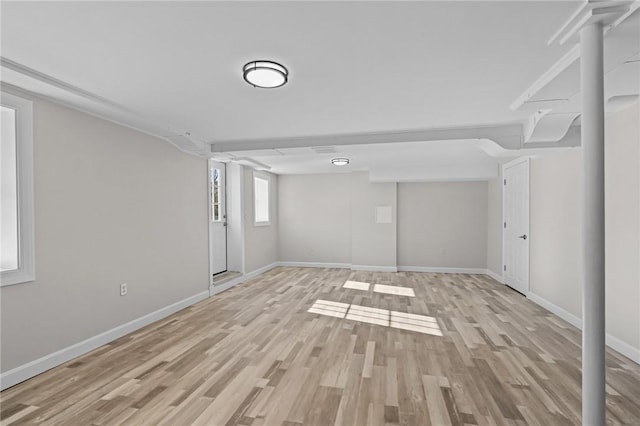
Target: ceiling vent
pixel 324 149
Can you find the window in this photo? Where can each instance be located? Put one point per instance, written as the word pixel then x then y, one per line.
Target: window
pixel 261 199
pixel 16 211
pixel 215 195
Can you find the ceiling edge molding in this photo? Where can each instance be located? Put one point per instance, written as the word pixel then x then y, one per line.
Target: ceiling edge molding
pixel 509 136
pixel 94 105
pixel 52 81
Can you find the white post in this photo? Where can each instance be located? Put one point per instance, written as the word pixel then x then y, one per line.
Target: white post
pixel 593 307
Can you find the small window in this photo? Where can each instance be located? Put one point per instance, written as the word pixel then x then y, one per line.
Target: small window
pixel 215 195
pixel 16 211
pixel 261 199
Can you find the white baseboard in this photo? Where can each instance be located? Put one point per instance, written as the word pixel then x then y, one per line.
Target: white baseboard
pixel 476 271
pixel 624 348
pixel 253 274
pixel 215 289
pixel 613 342
pixel 565 315
pixel 373 268
pixel 40 365
pixel 315 265
pixel 495 276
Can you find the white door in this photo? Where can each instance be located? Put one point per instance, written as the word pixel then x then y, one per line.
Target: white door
pixel 515 234
pixel 217 218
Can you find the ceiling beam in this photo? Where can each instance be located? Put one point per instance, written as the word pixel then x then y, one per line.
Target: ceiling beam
pixel 509 136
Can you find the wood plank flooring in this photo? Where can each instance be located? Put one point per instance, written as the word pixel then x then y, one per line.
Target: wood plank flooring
pixel 253 355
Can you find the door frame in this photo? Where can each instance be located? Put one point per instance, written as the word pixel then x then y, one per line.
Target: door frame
pixel 505 166
pixel 210 215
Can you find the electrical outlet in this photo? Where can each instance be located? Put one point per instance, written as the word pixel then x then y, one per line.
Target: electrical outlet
pixel 123 289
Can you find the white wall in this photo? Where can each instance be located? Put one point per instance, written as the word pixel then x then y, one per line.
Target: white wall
pixel 260 242
pixel 112 206
pixel 315 218
pixel 622 221
pixel 494 225
pixel 372 244
pixel 555 229
pixel 442 225
pixel 235 222
pixel 331 219
pixel 556 238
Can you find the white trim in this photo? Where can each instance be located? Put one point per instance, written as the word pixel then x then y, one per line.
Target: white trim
pixel 613 342
pixel 315 265
pixel 215 289
pixel 516 162
pixel 235 217
pixel 102 108
pixel 495 276
pixel 40 365
pixel 253 274
pixel 374 268
pixel 471 271
pixel 24 165
pixel 243 222
pixel 242 278
pixel 439 270
pixel 264 176
pixel 555 309
pixel 624 348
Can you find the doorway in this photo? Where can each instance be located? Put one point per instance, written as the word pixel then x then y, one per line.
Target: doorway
pixel 515 214
pixel 217 219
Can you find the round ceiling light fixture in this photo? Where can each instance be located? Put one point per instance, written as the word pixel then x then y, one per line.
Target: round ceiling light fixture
pixel 340 161
pixel 265 74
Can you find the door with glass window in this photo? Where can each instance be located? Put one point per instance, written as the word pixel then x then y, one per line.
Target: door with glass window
pixel 217 218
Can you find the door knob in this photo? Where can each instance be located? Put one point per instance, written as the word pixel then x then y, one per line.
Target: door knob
pixel 524 236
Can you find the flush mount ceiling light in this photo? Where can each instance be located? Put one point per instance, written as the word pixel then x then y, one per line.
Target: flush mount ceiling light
pixel 265 74
pixel 340 161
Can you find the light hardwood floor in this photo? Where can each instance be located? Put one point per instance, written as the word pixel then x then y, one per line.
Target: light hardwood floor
pixel 253 355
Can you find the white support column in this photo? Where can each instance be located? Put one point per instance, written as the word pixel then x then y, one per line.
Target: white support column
pixel 593 307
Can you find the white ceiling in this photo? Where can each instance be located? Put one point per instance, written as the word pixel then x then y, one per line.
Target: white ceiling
pixel 357 70
pixel 355 66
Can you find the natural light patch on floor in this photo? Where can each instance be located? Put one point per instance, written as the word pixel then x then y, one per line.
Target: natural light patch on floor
pixel 392 289
pixel 404 321
pixel 356 285
pixel 380 288
pixel 370 315
pixel 332 309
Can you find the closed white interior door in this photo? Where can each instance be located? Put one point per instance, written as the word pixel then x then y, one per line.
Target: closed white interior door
pixel 217 218
pixel 516 224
